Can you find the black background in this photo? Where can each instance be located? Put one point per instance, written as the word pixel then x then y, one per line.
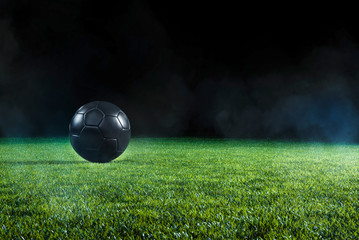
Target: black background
pixel 181 68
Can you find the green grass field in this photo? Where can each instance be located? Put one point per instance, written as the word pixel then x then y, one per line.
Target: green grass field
pixel 180 189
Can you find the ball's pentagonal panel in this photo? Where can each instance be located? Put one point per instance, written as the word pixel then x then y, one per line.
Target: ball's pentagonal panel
pixel 110 127
pixel 91 138
pixel 123 140
pixel 108 108
pixel 76 124
pixel 99 131
pixel 108 150
pixel 93 117
pixel 87 107
pixel 123 120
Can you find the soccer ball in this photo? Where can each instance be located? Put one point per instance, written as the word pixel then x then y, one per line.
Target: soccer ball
pixel 99 131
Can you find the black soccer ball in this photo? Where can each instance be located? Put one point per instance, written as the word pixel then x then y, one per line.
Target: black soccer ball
pixel 99 131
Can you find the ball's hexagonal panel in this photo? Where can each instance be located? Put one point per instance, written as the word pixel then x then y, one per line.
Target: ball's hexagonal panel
pixel 76 124
pixel 123 120
pixel 75 142
pixel 108 108
pixel 123 140
pixel 110 127
pixel 89 154
pixel 93 117
pixel 108 150
pixel 87 107
pixel 99 131
pixel 91 138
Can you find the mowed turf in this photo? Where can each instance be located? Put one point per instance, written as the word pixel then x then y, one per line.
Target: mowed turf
pixel 180 189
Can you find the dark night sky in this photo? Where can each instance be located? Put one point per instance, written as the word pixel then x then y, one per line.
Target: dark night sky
pixel 181 69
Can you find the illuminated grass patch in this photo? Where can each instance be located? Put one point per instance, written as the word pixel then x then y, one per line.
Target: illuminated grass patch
pixel 180 188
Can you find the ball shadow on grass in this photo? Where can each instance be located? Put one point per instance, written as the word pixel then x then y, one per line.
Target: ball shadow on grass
pixel 41 162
